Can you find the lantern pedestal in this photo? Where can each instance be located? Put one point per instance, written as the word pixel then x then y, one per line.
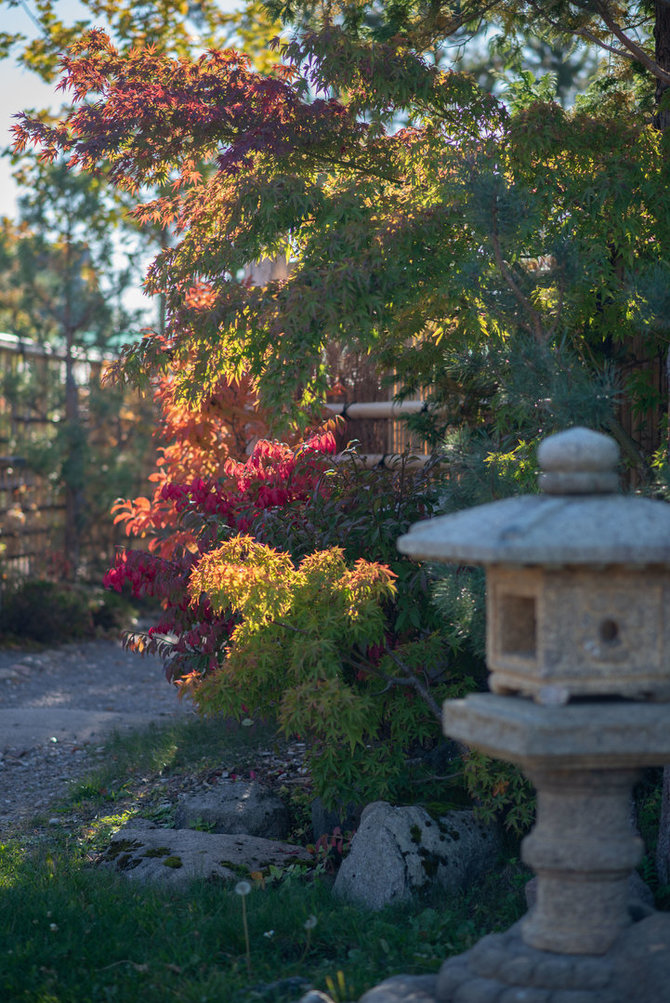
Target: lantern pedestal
pixel 582 850
pixel 587 938
pixel 579 941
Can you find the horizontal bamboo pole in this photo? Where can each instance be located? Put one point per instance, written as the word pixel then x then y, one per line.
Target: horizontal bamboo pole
pixel 377 409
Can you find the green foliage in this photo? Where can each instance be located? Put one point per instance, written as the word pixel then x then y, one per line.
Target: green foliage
pixel 459 594
pixel 479 227
pixel 499 790
pixel 51 612
pixel 175 26
pixel 46 612
pixel 364 512
pixel 302 646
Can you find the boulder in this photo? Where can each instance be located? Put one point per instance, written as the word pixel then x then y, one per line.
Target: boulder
pixel 175 856
pixel 235 806
pixel 397 851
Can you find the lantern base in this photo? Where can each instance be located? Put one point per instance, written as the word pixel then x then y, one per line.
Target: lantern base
pixel 501 968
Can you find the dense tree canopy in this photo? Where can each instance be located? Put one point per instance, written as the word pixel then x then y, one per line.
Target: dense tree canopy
pixel 480 222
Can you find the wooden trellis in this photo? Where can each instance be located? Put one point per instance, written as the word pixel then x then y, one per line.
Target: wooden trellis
pixel 33 507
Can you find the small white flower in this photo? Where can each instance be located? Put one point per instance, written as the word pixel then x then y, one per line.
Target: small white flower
pixel 269 934
pixel 53 927
pixel 310 922
pixel 242 887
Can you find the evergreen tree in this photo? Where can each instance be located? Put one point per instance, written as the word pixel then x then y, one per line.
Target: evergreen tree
pixel 62 286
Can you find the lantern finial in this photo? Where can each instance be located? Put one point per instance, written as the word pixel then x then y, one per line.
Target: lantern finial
pixel 578 461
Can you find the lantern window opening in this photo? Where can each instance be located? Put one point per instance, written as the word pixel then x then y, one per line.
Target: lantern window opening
pixel 518 625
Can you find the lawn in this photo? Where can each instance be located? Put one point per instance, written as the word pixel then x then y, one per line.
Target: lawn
pixel 72 933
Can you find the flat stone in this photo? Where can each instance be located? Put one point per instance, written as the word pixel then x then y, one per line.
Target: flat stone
pixel 453 973
pixel 477 990
pixel 235 806
pixel 403 989
pixel 522 994
pixel 176 856
pixel 517 971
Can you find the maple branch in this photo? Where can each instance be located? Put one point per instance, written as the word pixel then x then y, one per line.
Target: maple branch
pixel 591 37
pixel 413 681
pixel 436 28
pixel 408 679
pixel 352 166
pixel 289 626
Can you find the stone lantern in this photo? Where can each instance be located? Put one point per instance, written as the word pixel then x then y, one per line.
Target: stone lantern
pixel 577 578
pixel 578 647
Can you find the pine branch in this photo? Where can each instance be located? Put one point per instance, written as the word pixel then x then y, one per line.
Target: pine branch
pixel 637 52
pixel 535 328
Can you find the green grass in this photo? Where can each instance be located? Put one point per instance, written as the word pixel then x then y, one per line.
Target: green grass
pixel 72 933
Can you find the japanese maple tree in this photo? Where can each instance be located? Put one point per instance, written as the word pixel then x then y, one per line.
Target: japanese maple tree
pixel 481 224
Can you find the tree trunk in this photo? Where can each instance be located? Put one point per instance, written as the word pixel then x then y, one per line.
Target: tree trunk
pixel 662 54
pixel 73 494
pixel 662 122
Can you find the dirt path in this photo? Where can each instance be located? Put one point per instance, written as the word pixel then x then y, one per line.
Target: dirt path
pixel 56 707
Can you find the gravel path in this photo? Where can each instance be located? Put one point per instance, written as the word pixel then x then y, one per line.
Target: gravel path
pixel 57 705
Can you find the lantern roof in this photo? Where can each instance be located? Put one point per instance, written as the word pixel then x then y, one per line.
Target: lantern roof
pixel 578 519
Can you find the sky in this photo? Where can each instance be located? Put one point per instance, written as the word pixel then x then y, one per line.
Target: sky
pixel 21 90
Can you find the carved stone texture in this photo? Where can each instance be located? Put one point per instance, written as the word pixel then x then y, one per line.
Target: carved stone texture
pixel 582 849
pixel 589 735
pixel 579 461
pixel 579 631
pixel 583 760
pixel 501 968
